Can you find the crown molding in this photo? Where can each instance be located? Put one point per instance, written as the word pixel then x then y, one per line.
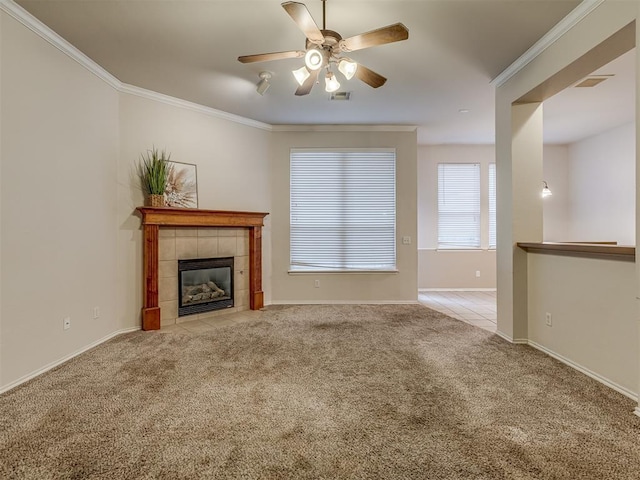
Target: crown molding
pixel 194 107
pixel 344 128
pixel 36 26
pixel 563 26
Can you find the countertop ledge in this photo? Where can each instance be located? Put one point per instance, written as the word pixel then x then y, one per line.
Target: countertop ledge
pixel 602 250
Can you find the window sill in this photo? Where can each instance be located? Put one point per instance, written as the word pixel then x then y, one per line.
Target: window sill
pixel 340 272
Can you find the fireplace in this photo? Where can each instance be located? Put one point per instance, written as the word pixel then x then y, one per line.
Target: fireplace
pixel 204 284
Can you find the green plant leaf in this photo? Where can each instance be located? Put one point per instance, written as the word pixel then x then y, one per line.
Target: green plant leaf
pixel 154 170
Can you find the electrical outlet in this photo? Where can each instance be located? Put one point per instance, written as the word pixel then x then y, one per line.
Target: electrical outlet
pixel 96 313
pixel 316 283
pixel 406 240
pixel 547 318
pixel 477 273
pixel 66 323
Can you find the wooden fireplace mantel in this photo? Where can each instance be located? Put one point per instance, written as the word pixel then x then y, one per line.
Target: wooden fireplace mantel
pixel 155 217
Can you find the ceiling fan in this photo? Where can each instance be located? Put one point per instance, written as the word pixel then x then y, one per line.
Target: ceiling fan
pixel 324 49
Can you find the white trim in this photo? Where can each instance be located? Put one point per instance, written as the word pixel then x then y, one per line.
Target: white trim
pixel 637 411
pixel 341 272
pixel 456 290
pixel 618 388
pixel 344 128
pixel 44 32
pixel 194 107
pixel 62 360
pixel 506 337
pixel 457 250
pixel 345 302
pixel 36 26
pixel 510 339
pixel 563 26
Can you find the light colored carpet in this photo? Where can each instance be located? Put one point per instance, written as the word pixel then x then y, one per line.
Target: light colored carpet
pixel 318 392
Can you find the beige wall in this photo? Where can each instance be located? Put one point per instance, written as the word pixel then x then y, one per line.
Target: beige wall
pixel 593 315
pixel 452 268
pixel 556 227
pixel 377 287
pixel 600 24
pixel 602 185
pixel 233 174
pixel 593 184
pixel 456 269
pixel 59 151
pixel 1 203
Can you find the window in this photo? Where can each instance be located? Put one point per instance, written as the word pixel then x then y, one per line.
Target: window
pixel 458 205
pixel 492 205
pixel 343 210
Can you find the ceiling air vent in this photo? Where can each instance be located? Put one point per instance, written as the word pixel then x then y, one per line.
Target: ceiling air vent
pixel 592 81
pixel 340 96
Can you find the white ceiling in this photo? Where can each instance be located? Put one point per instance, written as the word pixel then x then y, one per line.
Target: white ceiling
pixel 189 49
pixel 577 113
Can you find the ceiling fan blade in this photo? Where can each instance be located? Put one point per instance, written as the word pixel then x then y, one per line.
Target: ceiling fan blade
pixel 267 57
pixel 299 13
pixel 388 34
pixel 308 84
pixel 370 77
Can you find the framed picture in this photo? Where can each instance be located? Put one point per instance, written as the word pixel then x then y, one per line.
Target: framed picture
pixel 182 187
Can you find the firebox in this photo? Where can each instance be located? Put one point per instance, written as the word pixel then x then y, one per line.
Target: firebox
pixel 204 284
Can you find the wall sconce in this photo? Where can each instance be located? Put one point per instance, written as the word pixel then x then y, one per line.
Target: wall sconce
pixel 545 190
pixel 263 84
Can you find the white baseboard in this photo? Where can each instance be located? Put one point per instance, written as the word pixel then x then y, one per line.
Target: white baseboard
pixel 344 302
pixel 605 381
pixel 618 388
pixel 60 361
pixel 510 339
pixel 456 290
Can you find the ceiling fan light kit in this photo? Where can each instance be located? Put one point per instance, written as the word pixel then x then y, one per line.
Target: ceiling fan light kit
pixel 314 59
pixel 301 74
pixel 347 68
pixel 324 47
pixel 331 83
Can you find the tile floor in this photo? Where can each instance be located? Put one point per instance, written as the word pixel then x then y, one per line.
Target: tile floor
pixel 476 307
pixel 206 325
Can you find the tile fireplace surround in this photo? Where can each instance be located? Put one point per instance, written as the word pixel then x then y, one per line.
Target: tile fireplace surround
pixel 172 234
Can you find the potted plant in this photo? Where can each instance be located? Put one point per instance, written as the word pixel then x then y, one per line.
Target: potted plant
pixel 154 174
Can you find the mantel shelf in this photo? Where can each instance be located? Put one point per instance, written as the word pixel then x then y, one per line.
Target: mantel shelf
pixel 192 217
pixel 153 218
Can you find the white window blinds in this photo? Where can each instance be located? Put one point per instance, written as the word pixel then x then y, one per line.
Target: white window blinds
pixel 492 205
pixel 343 210
pixel 458 205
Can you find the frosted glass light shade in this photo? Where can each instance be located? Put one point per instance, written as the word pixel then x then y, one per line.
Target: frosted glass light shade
pixel 545 190
pixel 313 59
pixel 331 83
pixel 347 68
pixel 301 74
